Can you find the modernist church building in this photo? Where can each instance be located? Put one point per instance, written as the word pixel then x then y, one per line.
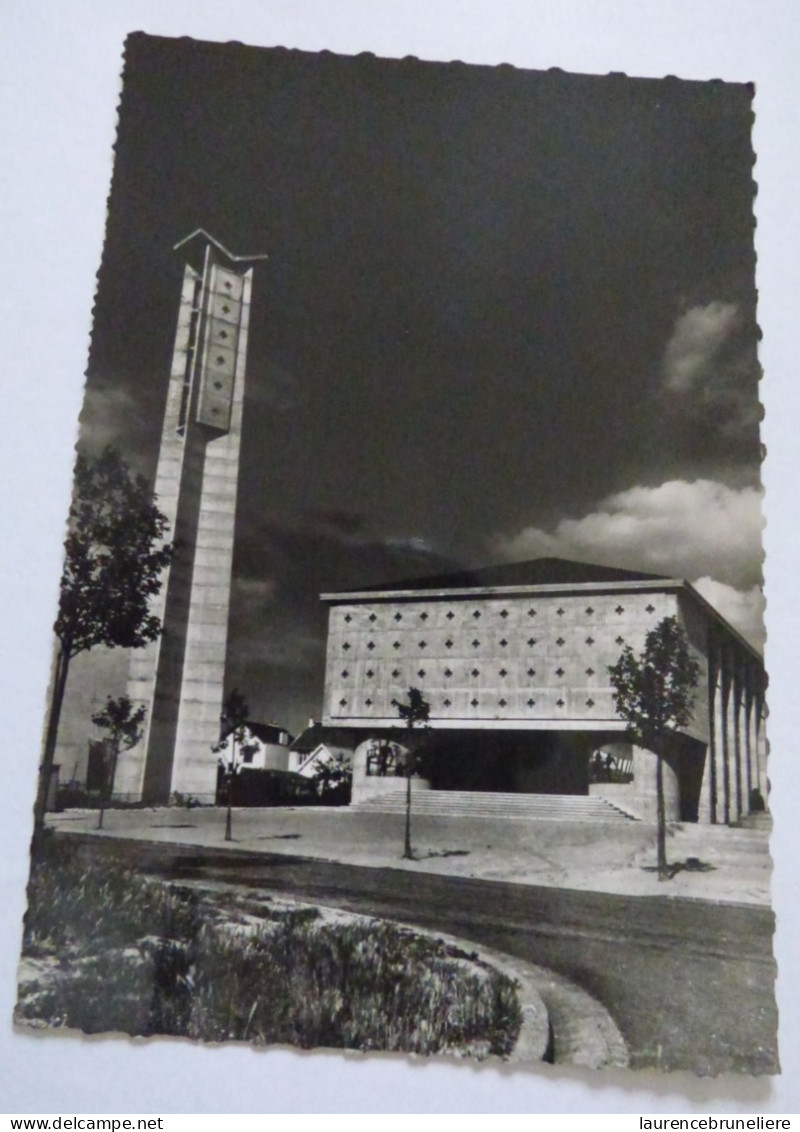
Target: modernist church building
pixel 513 661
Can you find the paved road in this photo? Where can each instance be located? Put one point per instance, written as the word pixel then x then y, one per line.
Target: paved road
pixel 689 983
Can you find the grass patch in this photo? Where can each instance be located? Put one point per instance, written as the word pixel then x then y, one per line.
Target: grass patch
pixel 76 908
pixel 142 956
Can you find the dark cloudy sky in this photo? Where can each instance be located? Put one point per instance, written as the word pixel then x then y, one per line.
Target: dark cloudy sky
pixel 505 314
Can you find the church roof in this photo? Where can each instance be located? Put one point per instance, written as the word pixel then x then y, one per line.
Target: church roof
pixel 557 574
pixel 535 572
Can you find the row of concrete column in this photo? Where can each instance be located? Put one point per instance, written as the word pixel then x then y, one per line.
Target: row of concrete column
pixel 736 758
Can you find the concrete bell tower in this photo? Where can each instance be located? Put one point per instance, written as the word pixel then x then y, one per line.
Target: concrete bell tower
pixel 180 677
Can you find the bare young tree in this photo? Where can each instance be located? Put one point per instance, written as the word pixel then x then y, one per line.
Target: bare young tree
pixel 415 714
pixel 654 694
pixel 125 729
pixel 239 749
pixel 113 561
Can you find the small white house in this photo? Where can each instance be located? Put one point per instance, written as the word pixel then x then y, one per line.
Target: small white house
pixel 273 743
pixel 318 745
pixel 308 764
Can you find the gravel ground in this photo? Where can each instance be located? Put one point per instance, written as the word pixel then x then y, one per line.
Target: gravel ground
pixel 612 858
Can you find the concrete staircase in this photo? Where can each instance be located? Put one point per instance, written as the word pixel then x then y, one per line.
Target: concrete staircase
pixel 745 844
pixel 519 807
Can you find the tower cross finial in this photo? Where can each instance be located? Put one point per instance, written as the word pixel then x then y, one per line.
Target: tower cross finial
pixel 201 233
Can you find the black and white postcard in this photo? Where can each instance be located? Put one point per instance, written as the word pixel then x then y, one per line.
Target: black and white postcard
pixel 408 690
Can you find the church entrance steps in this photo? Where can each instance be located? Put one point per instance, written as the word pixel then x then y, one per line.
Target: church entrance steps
pixel 525 807
pixel 717 843
pixel 759 821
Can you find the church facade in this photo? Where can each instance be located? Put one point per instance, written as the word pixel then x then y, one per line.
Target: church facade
pixel 513 661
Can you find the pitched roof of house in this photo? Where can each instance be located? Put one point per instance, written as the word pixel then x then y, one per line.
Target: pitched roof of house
pixel 269 732
pixel 345 738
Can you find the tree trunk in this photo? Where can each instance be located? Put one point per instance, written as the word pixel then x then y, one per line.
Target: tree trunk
pixel 231 773
pixel 408 853
pixel 107 793
pixel 51 734
pixel 229 811
pixel 663 867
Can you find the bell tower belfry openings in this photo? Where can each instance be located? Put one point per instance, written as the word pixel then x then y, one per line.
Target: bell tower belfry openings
pixel 180 677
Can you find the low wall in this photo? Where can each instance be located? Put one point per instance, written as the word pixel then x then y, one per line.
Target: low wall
pixel 618 794
pixel 371 787
pixel 639 798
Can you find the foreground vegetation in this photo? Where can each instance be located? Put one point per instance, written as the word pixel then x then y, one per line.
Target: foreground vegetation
pixel 109 949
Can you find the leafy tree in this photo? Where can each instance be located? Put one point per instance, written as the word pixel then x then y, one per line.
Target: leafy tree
pixel 415 714
pixel 114 558
pixel 654 694
pixel 234 740
pixel 125 729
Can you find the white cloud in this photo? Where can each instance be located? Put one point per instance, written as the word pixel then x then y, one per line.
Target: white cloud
pixel 744 609
pixel 254 591
pixel 710 375
pixel 110 415
pixel 278 646
pixel 694 530
pixel 696 341
pixel 262 634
